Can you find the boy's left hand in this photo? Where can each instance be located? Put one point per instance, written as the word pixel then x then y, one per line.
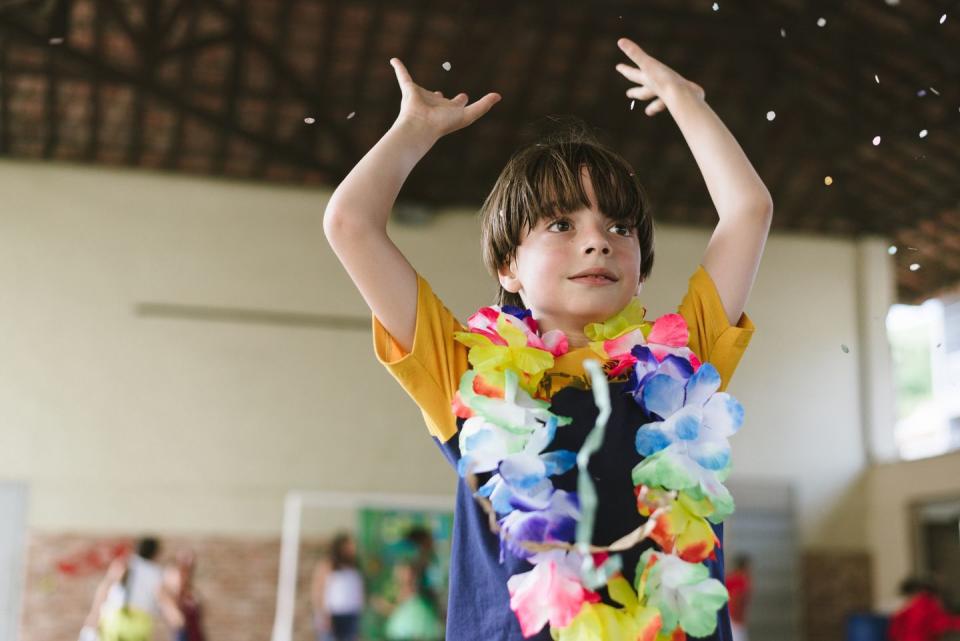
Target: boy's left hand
pixel 656 81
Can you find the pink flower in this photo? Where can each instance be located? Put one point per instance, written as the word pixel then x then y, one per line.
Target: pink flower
pixel 670 336
pixel 550 592
pixel 618 349
pixel 484 322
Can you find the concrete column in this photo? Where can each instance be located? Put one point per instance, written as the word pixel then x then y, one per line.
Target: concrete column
pixel 876 292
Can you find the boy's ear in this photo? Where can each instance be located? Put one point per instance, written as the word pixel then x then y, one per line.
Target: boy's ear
pixel 506 274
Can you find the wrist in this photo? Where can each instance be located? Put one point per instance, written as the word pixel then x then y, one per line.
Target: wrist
pixel 415 133
pixel 681 94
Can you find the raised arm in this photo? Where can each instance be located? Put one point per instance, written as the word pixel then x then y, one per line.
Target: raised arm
pixel 743 204
pixel 355 221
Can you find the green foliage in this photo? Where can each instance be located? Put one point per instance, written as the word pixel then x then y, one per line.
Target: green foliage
pixel 912 374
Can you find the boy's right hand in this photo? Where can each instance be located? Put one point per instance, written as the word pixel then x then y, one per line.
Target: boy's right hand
pixel 429 110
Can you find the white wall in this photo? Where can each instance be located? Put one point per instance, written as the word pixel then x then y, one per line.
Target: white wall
pixel 122 422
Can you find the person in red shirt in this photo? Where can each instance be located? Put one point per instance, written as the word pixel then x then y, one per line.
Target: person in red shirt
pixel 923 617
pixel 739 587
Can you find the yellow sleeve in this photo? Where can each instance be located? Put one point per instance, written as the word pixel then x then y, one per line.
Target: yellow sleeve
pixel 712 338
pixel 431 371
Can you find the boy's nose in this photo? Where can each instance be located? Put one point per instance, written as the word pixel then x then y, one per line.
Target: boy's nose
pixel 596 242
pixel 603 248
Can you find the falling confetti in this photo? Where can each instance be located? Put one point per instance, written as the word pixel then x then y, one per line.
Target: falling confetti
pixel 821 22
pixel 939 345
pixel 716 7
pixel 828 180
pixel 921 93
pixel 923 133
pixel 893 3
pixel 633 103
pixel 783 32
pixel 309 120
pixel 914 266
pixel 877 78
pixel 846 350
pixel 771 115
pixel 876 141
pixel 934 91
pixel 447 66
pixel 892 249
pixel 351 115
pixel 943 18
pixel 56 41
pixel 912 249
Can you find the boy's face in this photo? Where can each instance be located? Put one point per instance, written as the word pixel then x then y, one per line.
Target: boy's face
pixel 575 269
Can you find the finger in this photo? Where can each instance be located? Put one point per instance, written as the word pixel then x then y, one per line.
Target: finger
pixel 655 107
pixel 461 99
pixel 403 76
pixel 633 51
pixel 633 74
pixel 438 93
pixel 641 93
pixel 476 110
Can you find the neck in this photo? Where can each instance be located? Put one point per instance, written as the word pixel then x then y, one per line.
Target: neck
pixel 571 327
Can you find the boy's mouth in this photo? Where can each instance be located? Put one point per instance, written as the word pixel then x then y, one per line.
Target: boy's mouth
pixel 595 275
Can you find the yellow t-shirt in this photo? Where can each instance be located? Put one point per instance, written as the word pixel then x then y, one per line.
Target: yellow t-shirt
pixel 431 371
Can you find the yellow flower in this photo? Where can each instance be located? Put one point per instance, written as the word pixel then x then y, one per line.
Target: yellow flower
pixel 492 360
pixel 599 621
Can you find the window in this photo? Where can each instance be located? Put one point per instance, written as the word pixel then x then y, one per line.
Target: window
pixel 925 345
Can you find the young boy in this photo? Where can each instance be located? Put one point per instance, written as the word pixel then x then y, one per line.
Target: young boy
pixel 567 233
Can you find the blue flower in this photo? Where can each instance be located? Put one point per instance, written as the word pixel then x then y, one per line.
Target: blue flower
pixel 554 523
pixel 647 367
pixel 521 479
pixel 694 418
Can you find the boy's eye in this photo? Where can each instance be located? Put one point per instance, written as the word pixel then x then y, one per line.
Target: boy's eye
pixel 621 229
pixel 559 225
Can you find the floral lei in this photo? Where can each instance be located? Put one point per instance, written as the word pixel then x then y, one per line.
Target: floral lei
pixel 678 485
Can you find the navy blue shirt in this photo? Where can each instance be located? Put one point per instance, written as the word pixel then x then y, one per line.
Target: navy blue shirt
pixel 479 604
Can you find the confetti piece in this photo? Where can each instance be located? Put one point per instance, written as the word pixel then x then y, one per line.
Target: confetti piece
pixel 912 249
pixel 447 66
pixel 351 115
pixel 943 18
pixel 877 78
pixel 846 350
pixel 934 91
pixel 893 3
pixel 716 7
pixel 56 41
pixel 309 120
pixel 914 266
pixel 771 115
pixel 828 181
pixel 939 345
pixel 783 32
pixel 923 133
pixel 633 103
pixel 921 93
pixel 892 249
pixel 821 22
pixel 876 140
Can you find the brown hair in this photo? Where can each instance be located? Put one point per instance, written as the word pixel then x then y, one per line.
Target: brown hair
pixel 543 180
